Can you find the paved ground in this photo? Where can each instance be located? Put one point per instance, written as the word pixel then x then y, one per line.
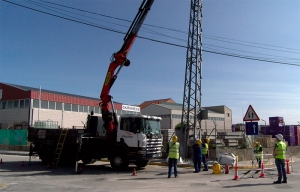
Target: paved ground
pixel 100 177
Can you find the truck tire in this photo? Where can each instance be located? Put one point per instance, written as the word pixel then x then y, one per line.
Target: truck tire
pixel 142 163
pixel 119 161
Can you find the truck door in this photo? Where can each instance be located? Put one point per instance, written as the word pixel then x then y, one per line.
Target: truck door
pixel 128 132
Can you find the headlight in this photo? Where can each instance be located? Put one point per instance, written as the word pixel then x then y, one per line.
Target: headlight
pixel 141 152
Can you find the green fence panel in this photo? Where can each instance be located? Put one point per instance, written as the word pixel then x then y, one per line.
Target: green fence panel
pixel 13 137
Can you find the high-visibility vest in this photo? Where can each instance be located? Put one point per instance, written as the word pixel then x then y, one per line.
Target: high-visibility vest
pixel 174 150
pixel 280 150
pixel 259 152
pixel 205 149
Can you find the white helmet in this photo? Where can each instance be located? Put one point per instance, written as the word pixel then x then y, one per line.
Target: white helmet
pixel 279 136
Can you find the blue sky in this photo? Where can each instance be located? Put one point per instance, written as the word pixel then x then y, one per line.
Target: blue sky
pixel 56 54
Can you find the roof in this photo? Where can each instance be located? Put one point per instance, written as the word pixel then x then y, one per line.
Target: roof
pixel 178 106
pixel 26 88
pixel 158 101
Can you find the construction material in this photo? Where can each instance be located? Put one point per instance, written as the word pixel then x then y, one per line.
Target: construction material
pixel 227 158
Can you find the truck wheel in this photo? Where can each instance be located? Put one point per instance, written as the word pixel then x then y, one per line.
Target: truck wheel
pixel 142 163
pixel 119 162
pixel 88 160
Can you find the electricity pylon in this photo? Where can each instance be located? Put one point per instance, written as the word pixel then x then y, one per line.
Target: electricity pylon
pixel 191 107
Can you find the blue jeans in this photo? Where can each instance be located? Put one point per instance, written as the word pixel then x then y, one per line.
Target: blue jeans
pixel 172 162
pixel 280 165
pixel 197 164
pixel 204 161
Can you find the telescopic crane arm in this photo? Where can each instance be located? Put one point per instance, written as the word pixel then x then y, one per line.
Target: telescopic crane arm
pixel 120 60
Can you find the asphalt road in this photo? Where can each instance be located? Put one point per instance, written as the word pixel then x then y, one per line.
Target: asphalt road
pixel 100 177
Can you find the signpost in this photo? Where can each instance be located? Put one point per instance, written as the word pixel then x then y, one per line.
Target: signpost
pixel 251 127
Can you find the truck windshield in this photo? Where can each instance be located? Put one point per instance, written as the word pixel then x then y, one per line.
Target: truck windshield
pixel 151 126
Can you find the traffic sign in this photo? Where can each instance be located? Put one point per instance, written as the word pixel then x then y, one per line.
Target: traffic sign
pixel 252 128
pixel 251 115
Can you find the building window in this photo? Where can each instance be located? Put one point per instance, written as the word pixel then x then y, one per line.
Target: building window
pixel 22 103
pixel 74 107
pixel 97 110
pixel 16 104
pixel 36 103
pixel 3 105
pixel 9 104
pixel 51 105
pixel 92 109
pixel 44 104
pixel 86 109
pixel 67 107
pixel 80 109
pixel 26 103
pixel 58 106
pixel 228 114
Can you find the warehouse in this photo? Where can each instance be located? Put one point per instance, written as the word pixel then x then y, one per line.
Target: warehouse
pixel 22 106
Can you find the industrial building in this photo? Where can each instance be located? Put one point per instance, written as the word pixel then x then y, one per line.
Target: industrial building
pixel 21 106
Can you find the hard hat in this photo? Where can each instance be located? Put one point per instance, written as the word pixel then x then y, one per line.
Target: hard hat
pixel 255 144
pixel 175 138
pixel 207 140
pixel 279 136
pixel 199 141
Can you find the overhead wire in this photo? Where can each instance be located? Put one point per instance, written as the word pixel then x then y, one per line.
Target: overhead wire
pixel 180 31
pixel 164 42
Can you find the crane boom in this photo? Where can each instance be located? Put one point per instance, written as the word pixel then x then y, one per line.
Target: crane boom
pixel 120 60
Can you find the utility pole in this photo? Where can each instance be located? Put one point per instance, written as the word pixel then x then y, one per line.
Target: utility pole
pixel 193 75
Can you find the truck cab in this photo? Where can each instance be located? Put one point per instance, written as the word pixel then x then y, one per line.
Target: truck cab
pixel 137 139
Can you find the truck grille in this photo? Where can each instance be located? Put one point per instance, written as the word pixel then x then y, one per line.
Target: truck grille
pixel 154 146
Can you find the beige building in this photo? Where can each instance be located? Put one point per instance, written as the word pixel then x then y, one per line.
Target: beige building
pixel 219 117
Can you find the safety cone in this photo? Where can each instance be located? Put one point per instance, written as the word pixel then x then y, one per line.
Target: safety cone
pixel 262 173
pixel 48 166
pixel 22 164
pixel 1 161
pixel 287 167
pixel 226 169
pixel 236 174
pixel 134 172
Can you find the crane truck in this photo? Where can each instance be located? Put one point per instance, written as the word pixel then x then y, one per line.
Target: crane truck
pixel 131 138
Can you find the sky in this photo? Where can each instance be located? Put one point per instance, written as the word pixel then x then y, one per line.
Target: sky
pixel 37 49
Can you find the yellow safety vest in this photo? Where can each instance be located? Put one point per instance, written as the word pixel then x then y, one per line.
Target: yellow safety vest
pixel 259 152
pixel 280 150
pixel 205 149
pixel 174 150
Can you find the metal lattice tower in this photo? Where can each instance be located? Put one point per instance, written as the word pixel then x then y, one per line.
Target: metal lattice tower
pixel 193 76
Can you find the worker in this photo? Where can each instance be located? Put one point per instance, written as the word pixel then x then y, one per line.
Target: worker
pixel 197 155
pixel 279 155
pixel 205 153
pixel 173 152
pixel 259 153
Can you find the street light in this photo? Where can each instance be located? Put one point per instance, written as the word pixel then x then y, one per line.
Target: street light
pixel 265 125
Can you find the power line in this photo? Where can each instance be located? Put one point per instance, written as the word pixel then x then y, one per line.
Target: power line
pixel 158 41
pixel 180 31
